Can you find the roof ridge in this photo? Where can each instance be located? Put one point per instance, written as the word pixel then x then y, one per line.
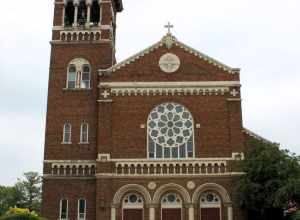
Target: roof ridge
pixel 169 40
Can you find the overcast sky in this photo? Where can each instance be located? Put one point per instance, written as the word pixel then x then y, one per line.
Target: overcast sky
pixel 259 36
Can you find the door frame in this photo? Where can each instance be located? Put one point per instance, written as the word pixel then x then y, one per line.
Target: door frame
pixel 135 208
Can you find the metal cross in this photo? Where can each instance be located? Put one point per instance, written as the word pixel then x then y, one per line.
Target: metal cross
pixel 169 26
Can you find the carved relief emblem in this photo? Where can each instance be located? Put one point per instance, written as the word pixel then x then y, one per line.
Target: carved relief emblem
pixel 169 63
pixel 191 185
pixel 152 185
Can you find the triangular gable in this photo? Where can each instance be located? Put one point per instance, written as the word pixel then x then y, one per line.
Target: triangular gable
pixel 168 41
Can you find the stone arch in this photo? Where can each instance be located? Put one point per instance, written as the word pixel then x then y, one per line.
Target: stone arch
pixel 131 187
pixel 214 187
pixel 171 187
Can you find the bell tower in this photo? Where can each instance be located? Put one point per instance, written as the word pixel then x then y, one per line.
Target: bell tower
pixel 83 41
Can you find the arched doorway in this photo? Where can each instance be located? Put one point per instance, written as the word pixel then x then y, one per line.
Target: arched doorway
pixel 132 207
pixel 171 207
pixel 210 206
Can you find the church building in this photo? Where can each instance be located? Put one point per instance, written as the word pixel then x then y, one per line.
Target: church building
pixel 158 136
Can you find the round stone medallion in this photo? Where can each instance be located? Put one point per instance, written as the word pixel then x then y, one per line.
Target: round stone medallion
pixel 152 185
pixel 191 185
pixel 169 63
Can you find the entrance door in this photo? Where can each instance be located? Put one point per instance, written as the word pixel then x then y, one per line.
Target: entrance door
pixel 210 214
pixel 133 214
pixel 171 214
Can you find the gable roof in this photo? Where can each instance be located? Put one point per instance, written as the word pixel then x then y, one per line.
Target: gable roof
pixel 169 41
pixel 256 136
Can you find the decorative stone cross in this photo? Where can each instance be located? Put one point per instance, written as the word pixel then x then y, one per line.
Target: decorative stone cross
pixel 234 92
pixel 105 94
pixel 169 26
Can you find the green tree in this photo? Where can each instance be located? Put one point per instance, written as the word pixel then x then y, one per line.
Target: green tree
pixel 30 186
pixel 272 178
pixel 10 196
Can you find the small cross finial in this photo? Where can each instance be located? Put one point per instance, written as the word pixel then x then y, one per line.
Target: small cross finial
pixel 169 26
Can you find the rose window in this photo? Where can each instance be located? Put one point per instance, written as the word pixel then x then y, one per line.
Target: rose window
pixel 170 132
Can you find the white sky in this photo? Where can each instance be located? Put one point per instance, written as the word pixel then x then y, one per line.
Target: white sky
pixel 261 37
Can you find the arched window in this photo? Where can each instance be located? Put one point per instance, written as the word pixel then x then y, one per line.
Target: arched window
pixel 170 132
pixel 79 74
pixel 132 207
pixel 171 205
pixel 72 77
pixel 210 206
pixel 67 133
pixel 95 12
pixel 69 13
pixel 82 13
pixel 81 209
pixel 63 212
pixel 85 77
pixel 84 133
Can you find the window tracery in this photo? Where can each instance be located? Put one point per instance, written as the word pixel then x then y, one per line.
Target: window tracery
pixel 79 74
pixel 171 200
pixel 133 200
pixel 170 132
pixel 210 199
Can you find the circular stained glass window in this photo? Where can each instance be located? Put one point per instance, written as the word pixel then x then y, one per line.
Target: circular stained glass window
pixel 170 125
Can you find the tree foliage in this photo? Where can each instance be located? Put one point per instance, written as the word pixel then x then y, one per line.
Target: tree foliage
pixel 272 178
pixel 26 193
pixel 20 214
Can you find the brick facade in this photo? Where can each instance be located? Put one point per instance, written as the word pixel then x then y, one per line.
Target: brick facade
pixel 115 161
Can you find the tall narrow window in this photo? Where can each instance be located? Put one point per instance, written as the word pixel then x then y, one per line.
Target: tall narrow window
pixel 72 77
pixel 84 133
pixel 170 132
pixel 81 209
pixel 95 12
pixel 63 213
pixel 69 13
pixel 85 77
pixel 67 133
pixel 82 13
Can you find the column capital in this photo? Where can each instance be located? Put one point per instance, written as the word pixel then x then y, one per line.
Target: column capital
pixel 189 205
pixel 75 2
pixel 228 204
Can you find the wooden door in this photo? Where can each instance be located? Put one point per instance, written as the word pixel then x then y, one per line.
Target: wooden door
pixel 171 214
pixel 210 214
pixel 133 214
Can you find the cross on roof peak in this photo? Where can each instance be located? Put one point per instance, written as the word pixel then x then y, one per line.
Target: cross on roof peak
pixel 169 26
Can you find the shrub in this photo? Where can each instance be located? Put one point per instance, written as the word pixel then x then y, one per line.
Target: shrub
pixel 296 216
pixel 20 214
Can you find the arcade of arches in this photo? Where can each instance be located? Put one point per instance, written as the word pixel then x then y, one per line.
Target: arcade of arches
pixel 209 201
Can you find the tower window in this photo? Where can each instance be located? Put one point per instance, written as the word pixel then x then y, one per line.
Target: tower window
pixel 82 13
pixel 69 13
pixel 63 214
pixel 67 133
pixel 72 77
pixel 81 209
pixel 85 77
pixel 79 74
pixel 84 133
pixel 95 12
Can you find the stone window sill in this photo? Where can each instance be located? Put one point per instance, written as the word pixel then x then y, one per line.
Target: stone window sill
pixel 66 143
pixel 77 89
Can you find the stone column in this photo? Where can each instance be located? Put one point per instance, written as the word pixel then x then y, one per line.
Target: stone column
pixel 229 212
pixel 100 12
pixel 63 15
pixel 152 213
pixel 191 211
pixel 113 213
pixel 88 16
pixel 76 4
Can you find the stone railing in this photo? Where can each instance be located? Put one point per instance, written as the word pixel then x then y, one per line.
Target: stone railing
pixel 73 169
pixel 181 167
pixel 80 35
